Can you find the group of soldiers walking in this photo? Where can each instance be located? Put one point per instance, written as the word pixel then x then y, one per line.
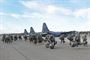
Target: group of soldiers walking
pixel 50 41
pixel 10 38
pixel 34 38
pixel 75 39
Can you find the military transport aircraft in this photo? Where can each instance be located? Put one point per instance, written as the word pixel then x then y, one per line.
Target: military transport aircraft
pixel 56 34
pixel 46 31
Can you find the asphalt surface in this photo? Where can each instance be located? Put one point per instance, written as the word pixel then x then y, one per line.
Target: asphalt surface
pixel 21 50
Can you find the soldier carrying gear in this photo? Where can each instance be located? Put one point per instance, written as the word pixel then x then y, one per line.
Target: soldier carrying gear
pixel 77 39
pixel 85 40
pixel 70 38
pixel 15 38
pixel 39 38
pixel 62 38
pixel 20 37
pixel 34 37
pixel 3 38
pixel 25 37
pixel 51 42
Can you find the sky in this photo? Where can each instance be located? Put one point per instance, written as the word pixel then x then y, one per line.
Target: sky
pixel 59 15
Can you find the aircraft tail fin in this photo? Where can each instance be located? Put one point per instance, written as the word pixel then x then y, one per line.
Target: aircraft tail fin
pixel 32 30
pixel 25 32
pixel 45 28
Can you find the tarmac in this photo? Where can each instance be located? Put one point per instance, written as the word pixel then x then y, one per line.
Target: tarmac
pixel 21 50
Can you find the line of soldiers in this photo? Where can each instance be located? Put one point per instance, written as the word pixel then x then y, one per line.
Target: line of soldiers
pixel 75 39
pixel 34 38
pixel 10 38
pixel 49 39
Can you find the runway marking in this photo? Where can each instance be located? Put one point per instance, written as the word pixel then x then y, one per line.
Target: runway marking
pixel 20 53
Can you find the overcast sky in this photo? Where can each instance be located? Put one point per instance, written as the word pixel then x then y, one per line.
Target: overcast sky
pixel 59 15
